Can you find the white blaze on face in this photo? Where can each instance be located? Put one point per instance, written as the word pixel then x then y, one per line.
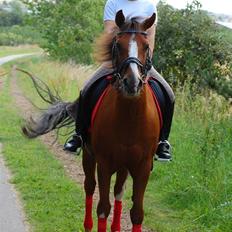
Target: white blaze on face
pixel 133 52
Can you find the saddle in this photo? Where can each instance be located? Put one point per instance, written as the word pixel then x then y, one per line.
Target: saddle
pixel 90 101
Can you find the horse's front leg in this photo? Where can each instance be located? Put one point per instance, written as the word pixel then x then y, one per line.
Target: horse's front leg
pixel 140 179
pixel 89 166
pixel 118 194
pixel 103 208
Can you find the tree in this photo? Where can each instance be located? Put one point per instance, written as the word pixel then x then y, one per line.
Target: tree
pixel 189 47
pixel 11 13
pixel 69 26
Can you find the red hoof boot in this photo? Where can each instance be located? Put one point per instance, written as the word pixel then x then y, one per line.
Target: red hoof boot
pixel 102 224
pixel 115 227
pixel 88 222
pixel 137 228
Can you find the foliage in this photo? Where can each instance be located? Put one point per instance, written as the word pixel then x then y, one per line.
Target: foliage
pixel 69 27
pixel 11 13
pixel 17 35
pixel 13 30
pixel 189 45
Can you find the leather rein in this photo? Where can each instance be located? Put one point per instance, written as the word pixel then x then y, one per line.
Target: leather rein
pixel 118 69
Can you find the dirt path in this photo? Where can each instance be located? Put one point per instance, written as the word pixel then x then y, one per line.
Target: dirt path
pixel 71 163
pixel 6 59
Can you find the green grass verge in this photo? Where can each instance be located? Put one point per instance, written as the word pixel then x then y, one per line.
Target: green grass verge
pixel 194 192
pixel 51 200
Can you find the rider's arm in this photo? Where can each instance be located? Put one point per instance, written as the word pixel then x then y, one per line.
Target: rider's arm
pixel 110 26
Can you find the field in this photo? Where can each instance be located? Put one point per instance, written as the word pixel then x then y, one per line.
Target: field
pixel 193 193
pixel 7 50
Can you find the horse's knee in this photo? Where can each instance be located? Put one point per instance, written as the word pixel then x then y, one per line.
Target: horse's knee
pixel 89 185
pixel 103 209
pixel 136 215
pixel 120 184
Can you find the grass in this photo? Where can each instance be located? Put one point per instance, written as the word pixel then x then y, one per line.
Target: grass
pixel 194 192
pixel 226 34
pixel 8 50
pixel 51 200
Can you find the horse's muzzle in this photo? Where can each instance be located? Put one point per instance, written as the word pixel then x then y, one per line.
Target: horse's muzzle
pixel 132 86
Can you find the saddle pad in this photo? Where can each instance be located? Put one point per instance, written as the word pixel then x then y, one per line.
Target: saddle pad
pixel 93 99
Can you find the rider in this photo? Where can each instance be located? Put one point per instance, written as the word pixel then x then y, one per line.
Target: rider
pixel 141 9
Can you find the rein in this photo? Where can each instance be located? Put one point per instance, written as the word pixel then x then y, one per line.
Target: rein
pixel 125 63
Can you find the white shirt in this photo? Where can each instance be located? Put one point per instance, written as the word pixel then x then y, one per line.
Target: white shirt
pixel 140 9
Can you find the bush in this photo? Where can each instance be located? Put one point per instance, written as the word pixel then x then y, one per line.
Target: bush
pixel 11 13
pixel 189 44
pixel 69 27
pixel 16 35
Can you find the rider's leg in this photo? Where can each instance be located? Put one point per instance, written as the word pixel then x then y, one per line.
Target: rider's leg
pixel 76 141
pixel 163 152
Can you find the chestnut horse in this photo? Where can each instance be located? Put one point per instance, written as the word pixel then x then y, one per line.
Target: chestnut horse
pixel 125 132
pixel 126 129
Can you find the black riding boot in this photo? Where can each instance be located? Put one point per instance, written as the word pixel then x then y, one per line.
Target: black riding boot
pixel 163 152
pixel 75 143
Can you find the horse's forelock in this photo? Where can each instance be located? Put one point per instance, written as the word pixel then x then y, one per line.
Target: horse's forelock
pixel 104 44
pixel 131 24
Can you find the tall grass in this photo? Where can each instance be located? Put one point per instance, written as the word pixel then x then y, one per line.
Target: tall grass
pixel 194 192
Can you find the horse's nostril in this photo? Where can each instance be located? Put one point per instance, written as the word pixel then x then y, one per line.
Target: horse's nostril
pixel 125 82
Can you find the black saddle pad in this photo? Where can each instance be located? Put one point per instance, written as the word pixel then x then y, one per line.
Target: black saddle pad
pixel 88 102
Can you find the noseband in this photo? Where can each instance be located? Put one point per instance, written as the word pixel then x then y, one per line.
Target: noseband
pixel 124 64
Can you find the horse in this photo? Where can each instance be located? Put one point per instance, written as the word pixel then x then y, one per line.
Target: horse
pixel 125 134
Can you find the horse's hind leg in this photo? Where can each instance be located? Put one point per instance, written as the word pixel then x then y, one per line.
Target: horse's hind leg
pixel 103 208
pixel 89 166
pixel 118 194
pixel 140 179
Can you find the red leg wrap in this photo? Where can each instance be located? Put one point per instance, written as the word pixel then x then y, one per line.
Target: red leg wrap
pixel 117 216
pixel 88 223
pixel 102 223
pixel 137 228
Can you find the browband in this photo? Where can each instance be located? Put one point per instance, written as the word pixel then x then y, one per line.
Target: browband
pixel 132 31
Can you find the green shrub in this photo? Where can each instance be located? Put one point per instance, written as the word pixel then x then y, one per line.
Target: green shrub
pixel 189 44
pixel 11 13
pixel 69 27
pixel 16 35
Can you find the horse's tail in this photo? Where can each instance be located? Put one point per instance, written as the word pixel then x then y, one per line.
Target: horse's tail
pixel 59 114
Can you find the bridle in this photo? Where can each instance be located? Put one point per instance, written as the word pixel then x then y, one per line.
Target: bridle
pixel 119 68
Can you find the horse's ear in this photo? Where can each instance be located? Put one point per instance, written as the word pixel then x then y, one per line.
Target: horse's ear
pixel 120 19
pixel 149 22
